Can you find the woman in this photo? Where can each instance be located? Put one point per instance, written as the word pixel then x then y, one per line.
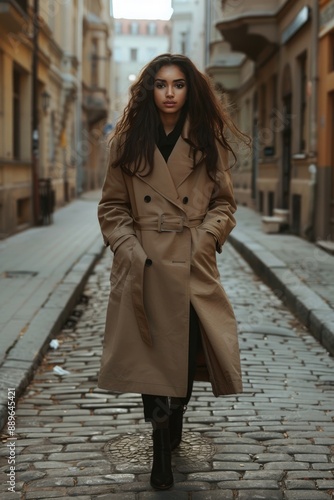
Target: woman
pixel 167 206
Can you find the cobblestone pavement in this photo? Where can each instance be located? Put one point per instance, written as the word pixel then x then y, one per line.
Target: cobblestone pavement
pixel 273 442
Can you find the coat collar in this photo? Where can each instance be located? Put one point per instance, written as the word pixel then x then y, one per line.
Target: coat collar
pixel 167 177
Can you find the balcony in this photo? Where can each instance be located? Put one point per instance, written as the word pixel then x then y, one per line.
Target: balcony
pixel 13 13
pixel 225 66
pixel 95 103
pixel 250 29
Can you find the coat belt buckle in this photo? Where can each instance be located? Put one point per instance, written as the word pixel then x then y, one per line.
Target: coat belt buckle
pixel 174 225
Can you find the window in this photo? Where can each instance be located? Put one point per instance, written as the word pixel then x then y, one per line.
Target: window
pixel 133 54
pixel 302 101
pixel 16 113
pixel 296 214
pixel 184 36
pixel 261 202
pixel 273 116
pixel 271 202
pixel 52 137
pixel 22 210
pixel 274 92
pixel 118 54
pixel 94 63
pixel 134 28
pixel 263 118
pixel 331 54
pixel 152 28
pixel 118 28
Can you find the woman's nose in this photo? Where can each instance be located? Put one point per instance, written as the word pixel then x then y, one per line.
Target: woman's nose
pixel 169 91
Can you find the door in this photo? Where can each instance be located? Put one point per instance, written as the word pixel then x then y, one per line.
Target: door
pixel 331 206
pixel 255 158
pixel 286 152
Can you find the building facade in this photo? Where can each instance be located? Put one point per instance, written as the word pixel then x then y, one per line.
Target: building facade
pixel 136 42
pixel 55 97
pixel 325 192
pixel 269 59
pixel 97 93
pixel 190 30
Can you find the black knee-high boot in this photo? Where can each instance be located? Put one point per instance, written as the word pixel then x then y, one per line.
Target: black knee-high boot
pixel 176 423
pixel 161 475
pixel 178 406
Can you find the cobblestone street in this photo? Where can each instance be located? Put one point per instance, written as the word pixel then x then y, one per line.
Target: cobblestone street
pixel 273 442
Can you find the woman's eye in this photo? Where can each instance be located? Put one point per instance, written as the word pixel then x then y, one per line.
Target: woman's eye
pixel 159 85
pixel 180 85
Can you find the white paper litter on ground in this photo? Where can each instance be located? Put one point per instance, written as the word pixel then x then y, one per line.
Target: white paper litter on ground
pixel 60 371
pixel 54 344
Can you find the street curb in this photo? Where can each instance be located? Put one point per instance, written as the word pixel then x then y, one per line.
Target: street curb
pixel 310 308
pixel 24 357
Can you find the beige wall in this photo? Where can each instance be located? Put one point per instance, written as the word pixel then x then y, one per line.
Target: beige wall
pixel 261 102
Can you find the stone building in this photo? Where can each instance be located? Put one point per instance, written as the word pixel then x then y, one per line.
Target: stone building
pixel 269 57
pixel 54 101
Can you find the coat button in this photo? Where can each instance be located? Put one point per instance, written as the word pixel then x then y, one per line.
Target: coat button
pixel 148 262
pixel 147 199
pixel 185 200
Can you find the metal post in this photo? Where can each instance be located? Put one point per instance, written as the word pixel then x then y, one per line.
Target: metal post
pixel 34 121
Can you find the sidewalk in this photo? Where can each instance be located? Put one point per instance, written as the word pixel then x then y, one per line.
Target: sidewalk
pixel 42 273
pixel 300 273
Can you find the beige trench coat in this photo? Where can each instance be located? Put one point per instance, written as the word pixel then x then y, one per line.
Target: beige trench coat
pixel 164 230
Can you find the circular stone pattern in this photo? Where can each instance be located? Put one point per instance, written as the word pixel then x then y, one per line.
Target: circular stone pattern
pixel 135 450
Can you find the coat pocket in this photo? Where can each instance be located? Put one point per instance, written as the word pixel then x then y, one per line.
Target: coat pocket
pixel 122 264
pixel 204 252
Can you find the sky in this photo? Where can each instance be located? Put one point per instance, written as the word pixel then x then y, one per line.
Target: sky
pixel 142 9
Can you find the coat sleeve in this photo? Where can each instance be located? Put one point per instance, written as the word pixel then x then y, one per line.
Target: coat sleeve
pixel 114 209
pixel 219 219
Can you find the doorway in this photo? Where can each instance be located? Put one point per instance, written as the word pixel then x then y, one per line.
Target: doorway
pixel 331 157
pixel 286 137
pixel 255 159
pixel 286 151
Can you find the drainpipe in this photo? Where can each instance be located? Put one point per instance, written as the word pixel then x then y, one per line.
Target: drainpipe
pixel 34 118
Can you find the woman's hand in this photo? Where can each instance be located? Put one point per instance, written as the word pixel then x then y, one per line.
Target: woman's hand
pixel 204 251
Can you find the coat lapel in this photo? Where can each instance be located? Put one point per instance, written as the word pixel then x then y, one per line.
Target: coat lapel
pixel 180 162
pixel 167 177
pixel 160 179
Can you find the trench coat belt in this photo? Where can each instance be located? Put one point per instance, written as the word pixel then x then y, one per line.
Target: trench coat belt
pixel 166 223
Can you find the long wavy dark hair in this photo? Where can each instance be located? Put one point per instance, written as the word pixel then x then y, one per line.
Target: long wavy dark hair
pixel 208 119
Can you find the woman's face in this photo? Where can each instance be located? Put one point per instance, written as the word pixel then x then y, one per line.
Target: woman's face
pixel 170 90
